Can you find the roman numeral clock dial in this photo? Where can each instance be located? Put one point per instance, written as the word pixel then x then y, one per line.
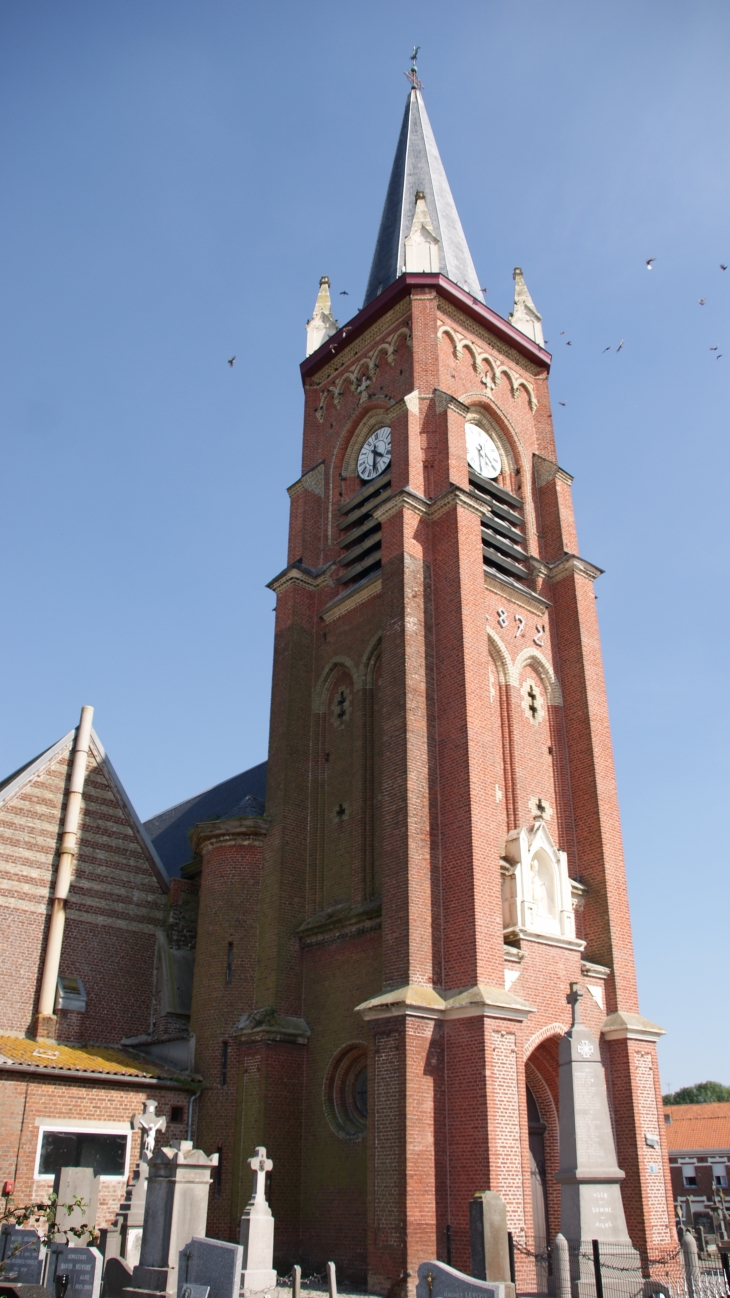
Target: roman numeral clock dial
pixel 374 456
pixel 481 452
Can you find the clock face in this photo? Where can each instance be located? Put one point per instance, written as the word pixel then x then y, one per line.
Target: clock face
pixel 374 456
pixel 481 452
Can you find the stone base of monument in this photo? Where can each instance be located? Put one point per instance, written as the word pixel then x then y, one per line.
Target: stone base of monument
pixel 437 1280
pixel 257 1281
pixel 620 1270
pixel 148 1282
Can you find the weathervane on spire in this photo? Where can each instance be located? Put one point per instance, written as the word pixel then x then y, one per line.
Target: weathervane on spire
pixel 412 74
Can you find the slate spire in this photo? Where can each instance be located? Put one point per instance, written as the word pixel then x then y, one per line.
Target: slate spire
pixel 418 169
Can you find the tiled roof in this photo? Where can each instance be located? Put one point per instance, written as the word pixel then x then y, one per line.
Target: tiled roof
pixel 169 829
pixel 698 1126
pixel 79 1059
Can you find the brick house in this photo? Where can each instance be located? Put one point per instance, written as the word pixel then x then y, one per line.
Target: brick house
pixel 698 1141
pixel 387 915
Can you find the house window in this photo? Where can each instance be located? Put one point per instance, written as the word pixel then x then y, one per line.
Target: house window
pixel 177 1113
pixel 689 1175
pixel 719 1174
pixel 75 1145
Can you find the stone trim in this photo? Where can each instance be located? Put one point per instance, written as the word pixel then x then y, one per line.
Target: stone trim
pixel 266 1025
pixel 546 471
pixel 297 575
pixel 312 480
pixel 445 401
pixel 457 496
pixel 248 831
pixel 426 1002
pixel 572 563
pixel 341 922
pixel 625 1025
pixel 527 598
pixel 545 939
pixel 404 499
pixel 594 970
pixel 372 585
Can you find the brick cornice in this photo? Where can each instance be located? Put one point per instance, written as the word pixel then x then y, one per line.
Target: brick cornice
pixel 297 575
pixel 351 598
pixel 407 498
pixel 571 564
pixel 267 1025
pixel 547 471
pixel 480 1001
pixel 528 599
pixel 249 831
pixel 625 1024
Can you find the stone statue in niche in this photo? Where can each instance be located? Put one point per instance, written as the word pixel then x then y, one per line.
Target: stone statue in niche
pixel 537 892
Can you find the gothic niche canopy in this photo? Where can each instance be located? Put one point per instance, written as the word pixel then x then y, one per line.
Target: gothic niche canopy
pixel 537 893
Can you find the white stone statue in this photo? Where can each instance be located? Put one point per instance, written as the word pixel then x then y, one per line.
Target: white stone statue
pixel 539 890
pixel 149 1122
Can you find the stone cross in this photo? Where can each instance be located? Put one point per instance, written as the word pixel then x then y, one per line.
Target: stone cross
pixel 532 696
pixel 574 997
pixel 260 1165
pixel 149 1122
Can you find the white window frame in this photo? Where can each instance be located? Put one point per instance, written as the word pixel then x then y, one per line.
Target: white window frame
pixel 719 1175
pixel 92 1129
pixel 689 1168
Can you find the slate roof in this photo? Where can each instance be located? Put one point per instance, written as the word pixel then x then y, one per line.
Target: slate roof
pixel 55 1056
pixel 242 795
pixel 417 165
pixel 698 1127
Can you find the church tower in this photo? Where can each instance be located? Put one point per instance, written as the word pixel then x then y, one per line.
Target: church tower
pixel 441 853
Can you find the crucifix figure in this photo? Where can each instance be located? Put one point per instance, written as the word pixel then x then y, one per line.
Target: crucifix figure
pixel 149 1122
pixel 260 1165
pixel 574 998
pixel 532 705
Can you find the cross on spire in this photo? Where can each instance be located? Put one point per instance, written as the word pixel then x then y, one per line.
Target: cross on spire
pixel 540 807
pixel 412 74
pixel 574 997
pixel 260 1165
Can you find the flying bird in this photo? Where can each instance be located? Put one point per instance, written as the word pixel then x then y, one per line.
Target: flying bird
pixel 618 349
pixel 702 301
pixel 719 356
pixel 568 343
pixel 561 403
pixel 606 349
pixel 713 349
pixel 231 360
pixel 722 267
pixel 562 331
pixel 483 290
pixel 344 292
pixel 333 347
pixel 649 261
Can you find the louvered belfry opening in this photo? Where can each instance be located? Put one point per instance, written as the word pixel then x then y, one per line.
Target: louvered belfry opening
pixel 360 539
pixel 503 529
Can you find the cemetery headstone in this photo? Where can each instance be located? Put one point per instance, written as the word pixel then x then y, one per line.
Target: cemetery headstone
pixel 117 1276
pixel 176 1209
pixel 83 1266
pixel 22 1290
pixel 437 1280
pixel 194 1291
pixel 72 1183
pixel 212 1263
pixel 257 1231
pixel 590 1203
pixel 23 1256
pixel 489 1238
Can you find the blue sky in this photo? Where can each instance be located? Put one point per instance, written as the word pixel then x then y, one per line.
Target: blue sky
pixel 176 177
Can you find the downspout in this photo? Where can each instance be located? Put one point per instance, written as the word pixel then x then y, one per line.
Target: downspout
pixel 65 864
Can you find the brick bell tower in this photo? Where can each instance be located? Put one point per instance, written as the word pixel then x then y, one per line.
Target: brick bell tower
pixel 442 854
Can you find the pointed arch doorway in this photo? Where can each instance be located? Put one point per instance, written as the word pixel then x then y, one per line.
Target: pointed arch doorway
pixel 538 1181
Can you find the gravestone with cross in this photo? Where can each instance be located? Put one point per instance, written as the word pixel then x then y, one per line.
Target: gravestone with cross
pixel 590 1178
pixel 22 1253
pixel 257 1230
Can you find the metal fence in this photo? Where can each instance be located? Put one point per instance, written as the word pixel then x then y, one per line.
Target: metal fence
pixel 595 1270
